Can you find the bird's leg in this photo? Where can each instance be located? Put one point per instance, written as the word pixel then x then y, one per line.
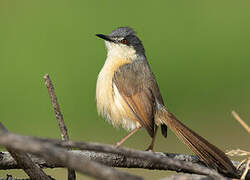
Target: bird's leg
pixel 126 137
pixel 151 146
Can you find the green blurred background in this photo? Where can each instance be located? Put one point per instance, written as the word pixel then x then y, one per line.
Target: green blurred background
pixel 198 50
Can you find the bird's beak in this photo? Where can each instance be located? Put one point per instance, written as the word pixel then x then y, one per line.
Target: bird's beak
pixel 105 37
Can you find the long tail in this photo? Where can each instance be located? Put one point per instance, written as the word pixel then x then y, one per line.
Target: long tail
pixel 212 156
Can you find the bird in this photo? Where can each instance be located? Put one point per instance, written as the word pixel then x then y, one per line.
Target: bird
pixel 128 96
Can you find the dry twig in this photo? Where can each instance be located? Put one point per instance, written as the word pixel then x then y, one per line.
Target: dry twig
pixel 239 152
pixel 9 177
pixel 244 125
pixel 109 159
pixel 25 162
pixel 59 117
pixel 175 165
pixel 152 158
pixel 58 155
pixel 247 167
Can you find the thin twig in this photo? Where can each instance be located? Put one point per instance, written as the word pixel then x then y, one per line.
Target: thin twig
pixel 56 107
pixel 25 162
pixel 58 155
pixel 238 152
pixel 243 124
pixel 245 162
pixel 59 117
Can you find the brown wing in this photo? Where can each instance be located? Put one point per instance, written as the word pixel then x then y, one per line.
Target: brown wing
pixel 136 84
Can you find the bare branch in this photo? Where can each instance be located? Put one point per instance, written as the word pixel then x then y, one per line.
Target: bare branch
pixel 9 177
pixel 56 107
pixel 114 160
pixel 153 158
pixel 50 153
pixel 188 177
pixel 59 117
pixel 24 161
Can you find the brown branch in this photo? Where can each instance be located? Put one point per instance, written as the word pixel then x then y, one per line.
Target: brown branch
pixel 51 153
pixel 59 117
pixel 25 162
pixel 163 162
pixel 56 107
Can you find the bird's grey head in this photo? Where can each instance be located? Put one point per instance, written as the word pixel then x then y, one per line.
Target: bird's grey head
pixel 124 41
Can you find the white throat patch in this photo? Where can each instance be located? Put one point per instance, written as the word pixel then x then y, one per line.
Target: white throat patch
pixel 120 51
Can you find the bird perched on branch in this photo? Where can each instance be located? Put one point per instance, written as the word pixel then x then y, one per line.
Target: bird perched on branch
pixel 127 95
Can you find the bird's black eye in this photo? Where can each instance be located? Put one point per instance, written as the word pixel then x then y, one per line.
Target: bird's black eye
pixel 124 41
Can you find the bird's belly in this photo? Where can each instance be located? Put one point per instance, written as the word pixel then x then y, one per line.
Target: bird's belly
pixel 111 105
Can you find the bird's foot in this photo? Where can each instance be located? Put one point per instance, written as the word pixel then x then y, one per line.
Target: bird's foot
pixel 150 149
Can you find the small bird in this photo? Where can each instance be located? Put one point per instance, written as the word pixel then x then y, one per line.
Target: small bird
pixel 128 95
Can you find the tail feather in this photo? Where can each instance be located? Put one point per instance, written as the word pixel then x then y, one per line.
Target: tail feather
pixel 207 152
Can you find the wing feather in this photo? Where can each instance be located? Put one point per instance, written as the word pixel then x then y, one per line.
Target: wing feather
pixel 136 84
